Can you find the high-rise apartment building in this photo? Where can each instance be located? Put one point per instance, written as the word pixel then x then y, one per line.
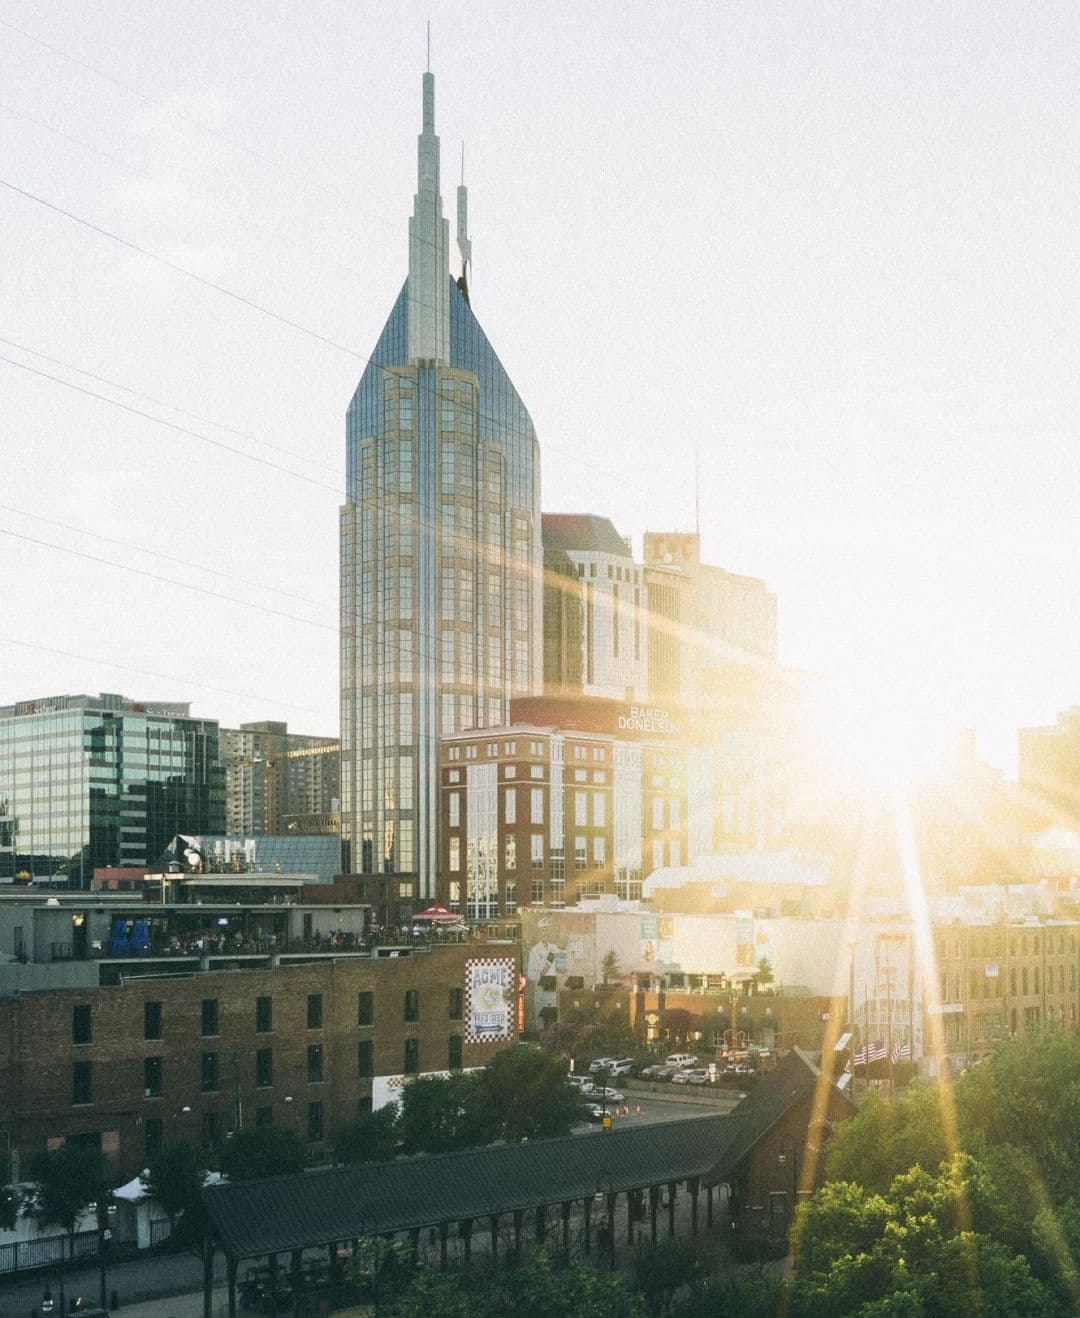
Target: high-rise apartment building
pixel 104 781
pixel 441 616
pixel 272 774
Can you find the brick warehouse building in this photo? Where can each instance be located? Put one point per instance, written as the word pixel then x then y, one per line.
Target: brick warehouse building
pixel 193 1058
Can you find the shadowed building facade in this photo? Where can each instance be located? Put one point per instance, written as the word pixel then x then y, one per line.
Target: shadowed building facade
pixel 441 617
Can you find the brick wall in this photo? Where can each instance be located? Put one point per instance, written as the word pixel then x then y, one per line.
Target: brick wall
pixel 38 1053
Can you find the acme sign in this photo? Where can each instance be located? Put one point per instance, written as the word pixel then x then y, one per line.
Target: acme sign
pixel 642 718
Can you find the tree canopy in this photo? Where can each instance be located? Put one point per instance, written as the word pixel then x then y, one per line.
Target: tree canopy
pixel 524 1090
pixel 174 1178
pixel 979 1175
pixel 262 1151
pixel 925 1247
pixel 369 1138
pixel 66 1181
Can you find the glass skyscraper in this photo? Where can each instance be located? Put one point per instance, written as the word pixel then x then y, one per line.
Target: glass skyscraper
pixel 103 781
pixel 441 600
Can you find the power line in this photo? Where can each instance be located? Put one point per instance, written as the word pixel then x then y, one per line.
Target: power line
pixel 292 324
pixel 168 558
pixel 146 672
pixel 182 270
pixel 148 174
pixel 170 581
pixel 171 425
pixel 492 553
pixel 161 402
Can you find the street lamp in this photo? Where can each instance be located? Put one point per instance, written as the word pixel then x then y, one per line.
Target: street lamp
pixel 105 1215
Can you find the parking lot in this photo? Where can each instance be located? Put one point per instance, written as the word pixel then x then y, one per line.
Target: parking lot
pixel 669 1106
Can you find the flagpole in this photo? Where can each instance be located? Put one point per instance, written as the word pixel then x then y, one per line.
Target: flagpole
pixel 888 1019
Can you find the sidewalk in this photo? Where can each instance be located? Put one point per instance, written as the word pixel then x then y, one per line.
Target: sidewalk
pixel 140 1284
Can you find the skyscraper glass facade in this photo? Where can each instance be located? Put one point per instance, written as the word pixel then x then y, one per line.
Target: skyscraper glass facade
pixel 440 560
pixel 103 781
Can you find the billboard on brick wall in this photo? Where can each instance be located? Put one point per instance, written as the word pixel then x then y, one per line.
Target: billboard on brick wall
pixel 490 994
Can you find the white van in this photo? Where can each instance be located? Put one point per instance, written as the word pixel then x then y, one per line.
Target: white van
pixel 681 1060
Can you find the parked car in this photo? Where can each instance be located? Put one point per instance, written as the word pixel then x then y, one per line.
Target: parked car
pixel 680 1060
pixel 682 1077
pixel 579 1081
pixel 657 1071
pixel 602 1064
pixel 621 1066
pixel 698 1076
pixel 606 1095
pixel 595 1112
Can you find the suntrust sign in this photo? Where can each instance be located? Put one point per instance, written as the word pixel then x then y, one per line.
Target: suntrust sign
pixel 642 718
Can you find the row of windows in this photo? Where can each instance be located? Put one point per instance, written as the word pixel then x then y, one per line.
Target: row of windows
pixel 153 1077
pixel 82 1016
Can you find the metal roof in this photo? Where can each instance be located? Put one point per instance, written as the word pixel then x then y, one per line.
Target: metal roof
pixel 584 532
pixel 283 1213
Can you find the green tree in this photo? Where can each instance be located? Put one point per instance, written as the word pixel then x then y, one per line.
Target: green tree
pixel 735 1293
pixel 609 967
pixel 1027 1094
pixel 10 1202
pixel 911 1251
pixel 660 1271
pixel 525 1091
pixel 262 1151
pixel 442 1113
pixel 66 1181
pixel 435 1295
pixel 764 973
pixel 538 1289
pixel 887 1137
pixel 370 1138
pixel 175 1179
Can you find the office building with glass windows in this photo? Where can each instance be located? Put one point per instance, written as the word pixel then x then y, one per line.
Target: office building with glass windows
pixel 441 596
pixel 104 781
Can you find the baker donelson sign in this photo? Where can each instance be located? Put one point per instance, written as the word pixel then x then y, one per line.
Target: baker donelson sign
pixel 489 999
pixel 640 718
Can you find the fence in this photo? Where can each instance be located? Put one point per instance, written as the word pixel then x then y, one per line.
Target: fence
pixel 46 1251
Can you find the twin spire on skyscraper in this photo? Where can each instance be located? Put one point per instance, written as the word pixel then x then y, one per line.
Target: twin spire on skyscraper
pixel 429 242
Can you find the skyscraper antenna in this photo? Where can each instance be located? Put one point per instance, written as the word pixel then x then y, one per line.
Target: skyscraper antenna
pixel 429 45
pixel 463 160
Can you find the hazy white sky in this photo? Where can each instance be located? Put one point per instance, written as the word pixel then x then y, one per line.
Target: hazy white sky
pixel 834 247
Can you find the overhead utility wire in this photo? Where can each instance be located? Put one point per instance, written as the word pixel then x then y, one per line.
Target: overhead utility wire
pixel 303 329
pixel 172 407
pixel 149 174
pixel 171 425
pixel 456 538
pixel 170 581
pixel 276 164
pixel 182 270
pixel 146 672
pixel 168 558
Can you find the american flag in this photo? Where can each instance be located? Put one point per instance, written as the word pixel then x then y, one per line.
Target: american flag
pixel 877 1052
pixel 901 1051
pixel 860 1058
